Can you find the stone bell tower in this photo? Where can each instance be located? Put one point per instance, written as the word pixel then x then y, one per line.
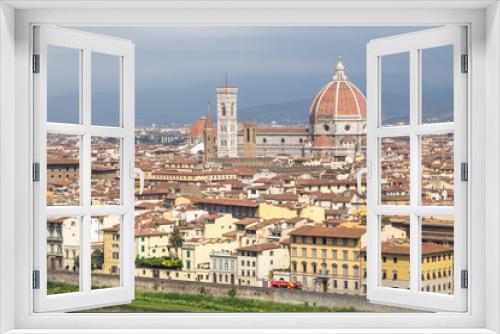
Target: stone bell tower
pixel 227 126
pixel 209 138
pixel 249 139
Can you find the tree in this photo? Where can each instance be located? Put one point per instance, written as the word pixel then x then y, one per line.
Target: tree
pixel 97 259
pixel 176 240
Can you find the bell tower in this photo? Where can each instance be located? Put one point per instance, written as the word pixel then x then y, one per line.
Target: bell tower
pixel 249 139
pixel 209 138
pixel 227 126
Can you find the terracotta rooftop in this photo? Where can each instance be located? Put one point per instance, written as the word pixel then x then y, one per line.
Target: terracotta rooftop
pixel 246 221
pixel 323 141
pixel 393 248
pixel 259 247
pixel 226 201
pixel 196 130
pixel 322 231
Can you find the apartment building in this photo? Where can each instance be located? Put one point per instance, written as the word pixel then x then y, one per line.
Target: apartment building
pixel 111 263
pixel 327 259
pixel 256 263
pixel 436 266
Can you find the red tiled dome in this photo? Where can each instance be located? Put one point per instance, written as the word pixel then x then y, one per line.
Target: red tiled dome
pixel 339 98
pixel 196 130
pixel 323 141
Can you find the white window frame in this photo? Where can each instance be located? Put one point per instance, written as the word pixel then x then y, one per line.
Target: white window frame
pixel 16 19
pixel 412 44
pixel 86 44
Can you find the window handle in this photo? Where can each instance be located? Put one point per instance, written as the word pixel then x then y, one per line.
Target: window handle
pixel 359 175
pixel 135 170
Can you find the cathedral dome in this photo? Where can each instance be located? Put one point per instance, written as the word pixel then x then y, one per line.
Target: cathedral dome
pixel 339 98
pixel 196 130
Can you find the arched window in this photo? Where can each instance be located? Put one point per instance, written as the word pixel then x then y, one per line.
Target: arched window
pixel 324 271
pixel 248 135
pixel 334 269
pixel 384 274
pixel 223 109
pixel 394 275
pixel 282 140
pixel 356 271
pixel 232 109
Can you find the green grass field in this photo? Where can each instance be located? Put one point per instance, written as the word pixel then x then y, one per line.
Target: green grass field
pixel 183 302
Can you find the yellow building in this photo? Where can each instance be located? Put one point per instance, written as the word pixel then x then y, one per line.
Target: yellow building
pixel 152 243
pixel 195 253
pixel 270 211
pixel 217 227
pixel 111 239
pixel 437 266
pixel 326 259
pixel 315 213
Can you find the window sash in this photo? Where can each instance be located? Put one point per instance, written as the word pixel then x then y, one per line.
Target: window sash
pixel 86 43
pixel 412 43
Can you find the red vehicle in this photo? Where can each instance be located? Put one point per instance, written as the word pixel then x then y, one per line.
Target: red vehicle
pixel 284 284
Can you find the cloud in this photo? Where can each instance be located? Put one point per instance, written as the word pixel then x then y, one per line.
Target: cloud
pixel 270 64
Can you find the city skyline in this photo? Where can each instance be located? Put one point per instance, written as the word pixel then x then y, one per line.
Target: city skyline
pixel 271 65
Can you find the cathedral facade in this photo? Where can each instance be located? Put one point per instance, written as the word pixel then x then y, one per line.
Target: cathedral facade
pixel 337 126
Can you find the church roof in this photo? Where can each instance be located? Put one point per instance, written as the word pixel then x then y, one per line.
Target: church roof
pixel 323 141
pixel 196 130
pixel 339 98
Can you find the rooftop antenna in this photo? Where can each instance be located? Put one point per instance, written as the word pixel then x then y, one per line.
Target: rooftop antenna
pixel 226 79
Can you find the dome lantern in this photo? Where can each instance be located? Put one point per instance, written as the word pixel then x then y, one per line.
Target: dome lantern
pixel 340 71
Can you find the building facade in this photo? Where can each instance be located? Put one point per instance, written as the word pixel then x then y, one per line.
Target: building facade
pixel 327 259
pixel 223 267
pixel 257 262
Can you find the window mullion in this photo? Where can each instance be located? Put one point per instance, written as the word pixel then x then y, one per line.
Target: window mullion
pixel 414 169
pixel 86 173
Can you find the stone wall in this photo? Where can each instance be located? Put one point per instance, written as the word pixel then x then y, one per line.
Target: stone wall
pixel 267 294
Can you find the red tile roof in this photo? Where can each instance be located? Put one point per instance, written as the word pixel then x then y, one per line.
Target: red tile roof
pixel 322 231
pixel 259 247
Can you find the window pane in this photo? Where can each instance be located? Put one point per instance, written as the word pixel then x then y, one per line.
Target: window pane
pixel 63 170
pixel 63 85
pixel 395 89
pixel 437 254
pixel 106 78
pixel 437 170
pixel 395 252
pixel 63 254
pixel 395 171
pixel 105 171
pixel 106 254
pixel 437 84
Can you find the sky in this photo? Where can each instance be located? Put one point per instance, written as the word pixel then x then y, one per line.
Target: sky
pixel 179 68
